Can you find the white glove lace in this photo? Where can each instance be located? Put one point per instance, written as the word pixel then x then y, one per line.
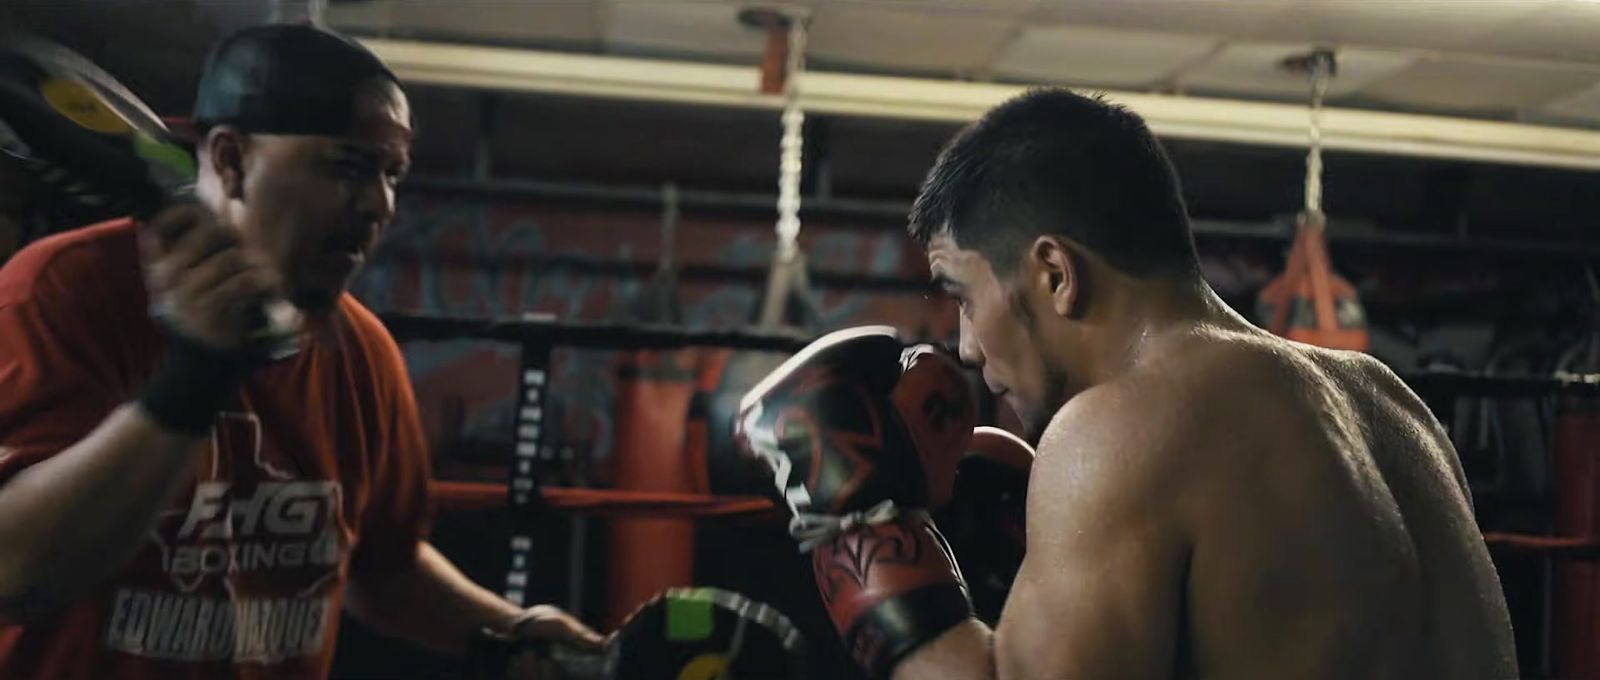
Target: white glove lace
pixel 812 529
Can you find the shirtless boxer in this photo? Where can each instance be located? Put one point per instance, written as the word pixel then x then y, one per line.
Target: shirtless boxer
pixel 1208 500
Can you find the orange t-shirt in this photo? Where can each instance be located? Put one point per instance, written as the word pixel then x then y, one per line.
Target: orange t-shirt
pixel 316 472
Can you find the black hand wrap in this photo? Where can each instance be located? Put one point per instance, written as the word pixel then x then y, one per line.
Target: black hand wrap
pixel 191 386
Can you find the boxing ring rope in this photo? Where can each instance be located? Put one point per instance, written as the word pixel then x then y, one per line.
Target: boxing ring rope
pixel 481 496
pixel 540 335
pixel 477 496
pixel 1559 547
pixel 408 327
pixel 586 335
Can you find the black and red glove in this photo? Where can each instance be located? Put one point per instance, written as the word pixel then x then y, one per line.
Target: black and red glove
pixel 985 518
pixel 863 436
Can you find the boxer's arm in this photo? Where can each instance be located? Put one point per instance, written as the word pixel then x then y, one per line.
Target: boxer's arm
pixel 1099 593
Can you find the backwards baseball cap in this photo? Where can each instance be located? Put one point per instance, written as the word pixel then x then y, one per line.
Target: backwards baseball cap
pixel 285 79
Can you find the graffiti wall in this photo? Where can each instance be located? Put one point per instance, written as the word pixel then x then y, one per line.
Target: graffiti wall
pixel 485 258
pixel 489 259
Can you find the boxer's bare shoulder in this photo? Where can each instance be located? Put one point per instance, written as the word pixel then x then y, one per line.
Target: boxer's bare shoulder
pixel 1330 494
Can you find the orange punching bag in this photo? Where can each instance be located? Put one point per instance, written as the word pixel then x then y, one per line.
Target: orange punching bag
pixel 648 556
pixel 1575 600
pixel 1308 302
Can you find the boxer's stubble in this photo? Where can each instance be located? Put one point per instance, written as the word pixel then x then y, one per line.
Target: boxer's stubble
pixel 1054 380
pixel 1010 328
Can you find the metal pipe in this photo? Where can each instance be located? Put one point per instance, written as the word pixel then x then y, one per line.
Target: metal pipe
pixel 648 196
pixel 658 336
pixel 851 94
pixel 1277 231
pixel 753 275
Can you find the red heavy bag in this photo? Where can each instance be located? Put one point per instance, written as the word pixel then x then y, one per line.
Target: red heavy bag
pixel 1308 302
pixel 654 387
pixel 1575 596
pixel 652 406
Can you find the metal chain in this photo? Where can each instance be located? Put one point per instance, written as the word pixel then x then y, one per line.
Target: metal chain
pixel 1321 68
pixel 790 146
pixel 317 13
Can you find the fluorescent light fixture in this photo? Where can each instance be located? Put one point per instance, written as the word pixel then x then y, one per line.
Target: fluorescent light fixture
pixel 1209 119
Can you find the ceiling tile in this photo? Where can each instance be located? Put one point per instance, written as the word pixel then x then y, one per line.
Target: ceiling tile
pixel 1078 55
pixel 1254 69
pixel 1224 18
pixel 705 28
pixel 1429 24
pixel 1566 30
pixel 478 20
pixel 377 17
pixel 1583 105
pixel 894 37
pixel 1480 85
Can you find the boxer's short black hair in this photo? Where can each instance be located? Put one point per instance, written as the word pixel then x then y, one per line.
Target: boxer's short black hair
pixel 285 79
pixel 1052 161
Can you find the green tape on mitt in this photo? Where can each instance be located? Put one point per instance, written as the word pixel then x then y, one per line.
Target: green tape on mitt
pixel 173 158
pixel 689 616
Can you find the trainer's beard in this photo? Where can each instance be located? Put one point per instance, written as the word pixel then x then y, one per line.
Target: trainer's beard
pixel 315 302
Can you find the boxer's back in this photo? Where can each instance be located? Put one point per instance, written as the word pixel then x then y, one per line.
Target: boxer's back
pixel 1334 536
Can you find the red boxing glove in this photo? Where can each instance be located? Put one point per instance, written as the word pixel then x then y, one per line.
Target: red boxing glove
pixel 890 588
pixel 862 435
pixel 993 481
pixel 984 521
pixel 858 418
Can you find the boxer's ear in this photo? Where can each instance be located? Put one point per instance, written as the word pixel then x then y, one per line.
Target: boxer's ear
pixel 224 149
pixel 1060 272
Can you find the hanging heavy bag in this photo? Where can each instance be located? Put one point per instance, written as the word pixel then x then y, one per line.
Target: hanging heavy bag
pixel 654 388
pixel 1308 302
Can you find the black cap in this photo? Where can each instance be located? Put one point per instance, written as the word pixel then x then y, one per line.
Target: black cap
pixel 284 79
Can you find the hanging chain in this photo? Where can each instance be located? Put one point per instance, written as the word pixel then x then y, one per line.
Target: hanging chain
pixel 790 146
pixel 1321 71
pixel 317 13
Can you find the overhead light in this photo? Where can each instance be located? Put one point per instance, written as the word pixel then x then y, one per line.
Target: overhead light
pixel 848 94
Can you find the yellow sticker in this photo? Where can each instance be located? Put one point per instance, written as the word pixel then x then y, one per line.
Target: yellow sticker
pixel 80 104
pixel 704 667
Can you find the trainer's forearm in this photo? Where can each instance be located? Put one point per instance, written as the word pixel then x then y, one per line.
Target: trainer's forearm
pixel 965 652
pixel 432 605
pixel 69 521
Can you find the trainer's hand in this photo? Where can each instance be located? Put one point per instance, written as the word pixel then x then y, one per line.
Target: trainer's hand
pixel 204 285
pixel 549 624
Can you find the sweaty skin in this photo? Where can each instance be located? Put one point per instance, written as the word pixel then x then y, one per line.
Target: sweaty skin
pixel 1227 504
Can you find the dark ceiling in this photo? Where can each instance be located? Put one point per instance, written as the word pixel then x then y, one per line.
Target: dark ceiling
pixel 156 47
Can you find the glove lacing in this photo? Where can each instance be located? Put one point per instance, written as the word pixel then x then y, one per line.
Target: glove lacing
pixel 814 529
